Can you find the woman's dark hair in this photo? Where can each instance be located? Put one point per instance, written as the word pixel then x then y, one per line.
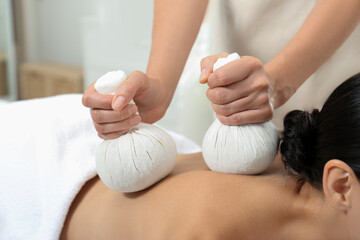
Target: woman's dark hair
pixel 310 140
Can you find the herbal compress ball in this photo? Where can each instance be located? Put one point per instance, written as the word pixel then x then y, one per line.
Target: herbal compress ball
pixel 138 159
pixel 246 149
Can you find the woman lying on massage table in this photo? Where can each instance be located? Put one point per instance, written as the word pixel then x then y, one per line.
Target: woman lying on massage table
pixel 315 194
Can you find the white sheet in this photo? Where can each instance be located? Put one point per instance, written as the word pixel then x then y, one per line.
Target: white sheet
pixel 46 155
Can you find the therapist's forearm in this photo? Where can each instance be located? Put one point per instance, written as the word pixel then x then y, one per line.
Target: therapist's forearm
pixel 175 27
pixel 328 25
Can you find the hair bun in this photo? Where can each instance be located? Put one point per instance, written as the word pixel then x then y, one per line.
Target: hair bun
pixel 298 141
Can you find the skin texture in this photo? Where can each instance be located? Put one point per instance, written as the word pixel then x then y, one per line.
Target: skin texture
pixel 176 25
pixel 195 203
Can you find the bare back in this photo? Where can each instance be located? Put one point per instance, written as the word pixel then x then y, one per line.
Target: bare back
pixel 191 202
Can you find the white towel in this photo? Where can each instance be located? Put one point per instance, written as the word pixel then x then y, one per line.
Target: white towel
pixel 47 153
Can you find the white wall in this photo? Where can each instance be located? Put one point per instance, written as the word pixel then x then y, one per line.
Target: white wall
pixel 117 36
pixel 9 46
pixel 53 29
pixel 2 26
pixel 119 31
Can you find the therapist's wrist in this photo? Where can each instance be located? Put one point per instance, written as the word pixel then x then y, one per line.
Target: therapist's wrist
pixel 164 92
pixel 281 86
pixel 168 84
pixel 167 94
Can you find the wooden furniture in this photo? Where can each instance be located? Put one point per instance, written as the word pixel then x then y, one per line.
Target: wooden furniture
pixel 48 79
pixel 3 74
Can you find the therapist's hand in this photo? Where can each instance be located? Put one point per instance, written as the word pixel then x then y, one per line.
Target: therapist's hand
pixel 113 116
pixel 239 91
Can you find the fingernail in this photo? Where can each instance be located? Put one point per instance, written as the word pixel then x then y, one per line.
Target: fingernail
pixel 135 120
pixel 132 110
pixel 119 103
pixel 203 75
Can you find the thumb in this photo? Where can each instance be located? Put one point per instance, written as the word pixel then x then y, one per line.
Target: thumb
pixel 126 91
pixel 207 64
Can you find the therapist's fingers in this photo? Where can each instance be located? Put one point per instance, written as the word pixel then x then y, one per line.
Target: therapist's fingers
pixel 227 94
pixel 207 64
pixel 247 103
pixel 113 135
pixel 234 71
pixel 93 99
pixel 109 116
pixel 240 118
pixel 117 126
pixel 128 89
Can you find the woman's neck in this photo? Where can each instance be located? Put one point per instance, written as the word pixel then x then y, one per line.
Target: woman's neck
pixel 313 217
pixel 309 214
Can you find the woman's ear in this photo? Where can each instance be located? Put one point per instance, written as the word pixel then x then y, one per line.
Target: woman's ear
pixel 338 183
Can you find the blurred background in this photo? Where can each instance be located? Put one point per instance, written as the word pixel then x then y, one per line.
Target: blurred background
pixel 52 47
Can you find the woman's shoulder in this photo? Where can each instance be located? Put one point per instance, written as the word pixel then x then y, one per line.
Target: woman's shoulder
pixel 191 203
pixel 227 205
